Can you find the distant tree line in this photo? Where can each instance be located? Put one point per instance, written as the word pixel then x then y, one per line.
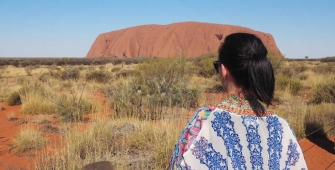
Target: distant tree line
pixel 23 62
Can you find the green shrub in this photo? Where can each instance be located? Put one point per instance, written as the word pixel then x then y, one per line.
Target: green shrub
pixel 67 74
pixel 156 84
pixel 169 76
pixel 206 66
pixel 14 99
pixel 99 76
pixel 72 109
pixel 283 82
pixel 325 91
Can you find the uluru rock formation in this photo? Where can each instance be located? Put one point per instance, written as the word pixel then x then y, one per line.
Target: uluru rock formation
pixel 188 38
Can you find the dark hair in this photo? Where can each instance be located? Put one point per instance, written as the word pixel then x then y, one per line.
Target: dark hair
pixel 244 55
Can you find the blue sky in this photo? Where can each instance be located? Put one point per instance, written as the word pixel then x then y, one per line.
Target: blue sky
pixel 67 28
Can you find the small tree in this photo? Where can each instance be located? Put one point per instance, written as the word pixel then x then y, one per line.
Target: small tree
pixel 306 57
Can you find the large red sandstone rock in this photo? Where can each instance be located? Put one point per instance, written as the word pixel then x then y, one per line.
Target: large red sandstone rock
pixel 188 38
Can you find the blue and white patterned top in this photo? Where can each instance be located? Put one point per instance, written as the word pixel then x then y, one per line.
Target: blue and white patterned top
pixel 232 136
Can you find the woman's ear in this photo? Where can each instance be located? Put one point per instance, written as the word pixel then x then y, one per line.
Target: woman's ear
pixel 223 71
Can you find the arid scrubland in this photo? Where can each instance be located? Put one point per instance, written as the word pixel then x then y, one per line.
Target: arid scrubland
pixel 132 113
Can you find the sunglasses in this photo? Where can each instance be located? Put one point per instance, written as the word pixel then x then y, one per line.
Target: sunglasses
pixel 216 65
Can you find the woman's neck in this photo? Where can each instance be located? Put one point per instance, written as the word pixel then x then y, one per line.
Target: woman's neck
pixel 233 89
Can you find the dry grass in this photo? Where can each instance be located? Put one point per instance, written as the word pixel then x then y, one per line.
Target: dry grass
pixel 132 142
pixel 28 139
pixel 35 104
pixel 127 143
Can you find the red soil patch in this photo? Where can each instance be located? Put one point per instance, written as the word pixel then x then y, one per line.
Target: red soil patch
pixel 191 39
pixel 8 130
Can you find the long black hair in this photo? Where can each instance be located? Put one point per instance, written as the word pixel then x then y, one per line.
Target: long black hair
pixel 244 55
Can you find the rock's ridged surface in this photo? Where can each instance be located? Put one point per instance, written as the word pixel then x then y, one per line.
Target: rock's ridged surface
pixel 188 38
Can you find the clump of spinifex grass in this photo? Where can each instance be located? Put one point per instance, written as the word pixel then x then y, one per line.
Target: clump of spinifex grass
pixel 28 139
pixel 56 97
pixel 155 85
pixel 128 143
pixel 14 99
pixel 283 82
pixel 325 91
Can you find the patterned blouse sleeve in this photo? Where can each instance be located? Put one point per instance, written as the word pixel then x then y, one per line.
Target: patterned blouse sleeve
pixel 187 136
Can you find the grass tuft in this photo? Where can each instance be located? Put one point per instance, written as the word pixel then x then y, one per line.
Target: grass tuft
pixel 28 139
pixel 325 91
pixel 14 98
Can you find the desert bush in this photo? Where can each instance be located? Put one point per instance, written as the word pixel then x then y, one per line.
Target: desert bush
pixel 35 104
pixel 28 70
pixel 276 60
pixel 14 98
pixel 328 59
pixel 67 74
pixel 124 73
pixel 4 62
pixel 15 63
pixel 99 76
pixel 288 72
pixel 45 77
pixel 34 101
pixel 72 108
pixel 302 76
pixel 300 68
pixel 31 88
pixel 28 139
pixel 27 62
pixel 283 82
pixel 323 69
pixel 206 66
pixel 169 76
pixel 66 84
pixel 324 91
pixel 155 85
